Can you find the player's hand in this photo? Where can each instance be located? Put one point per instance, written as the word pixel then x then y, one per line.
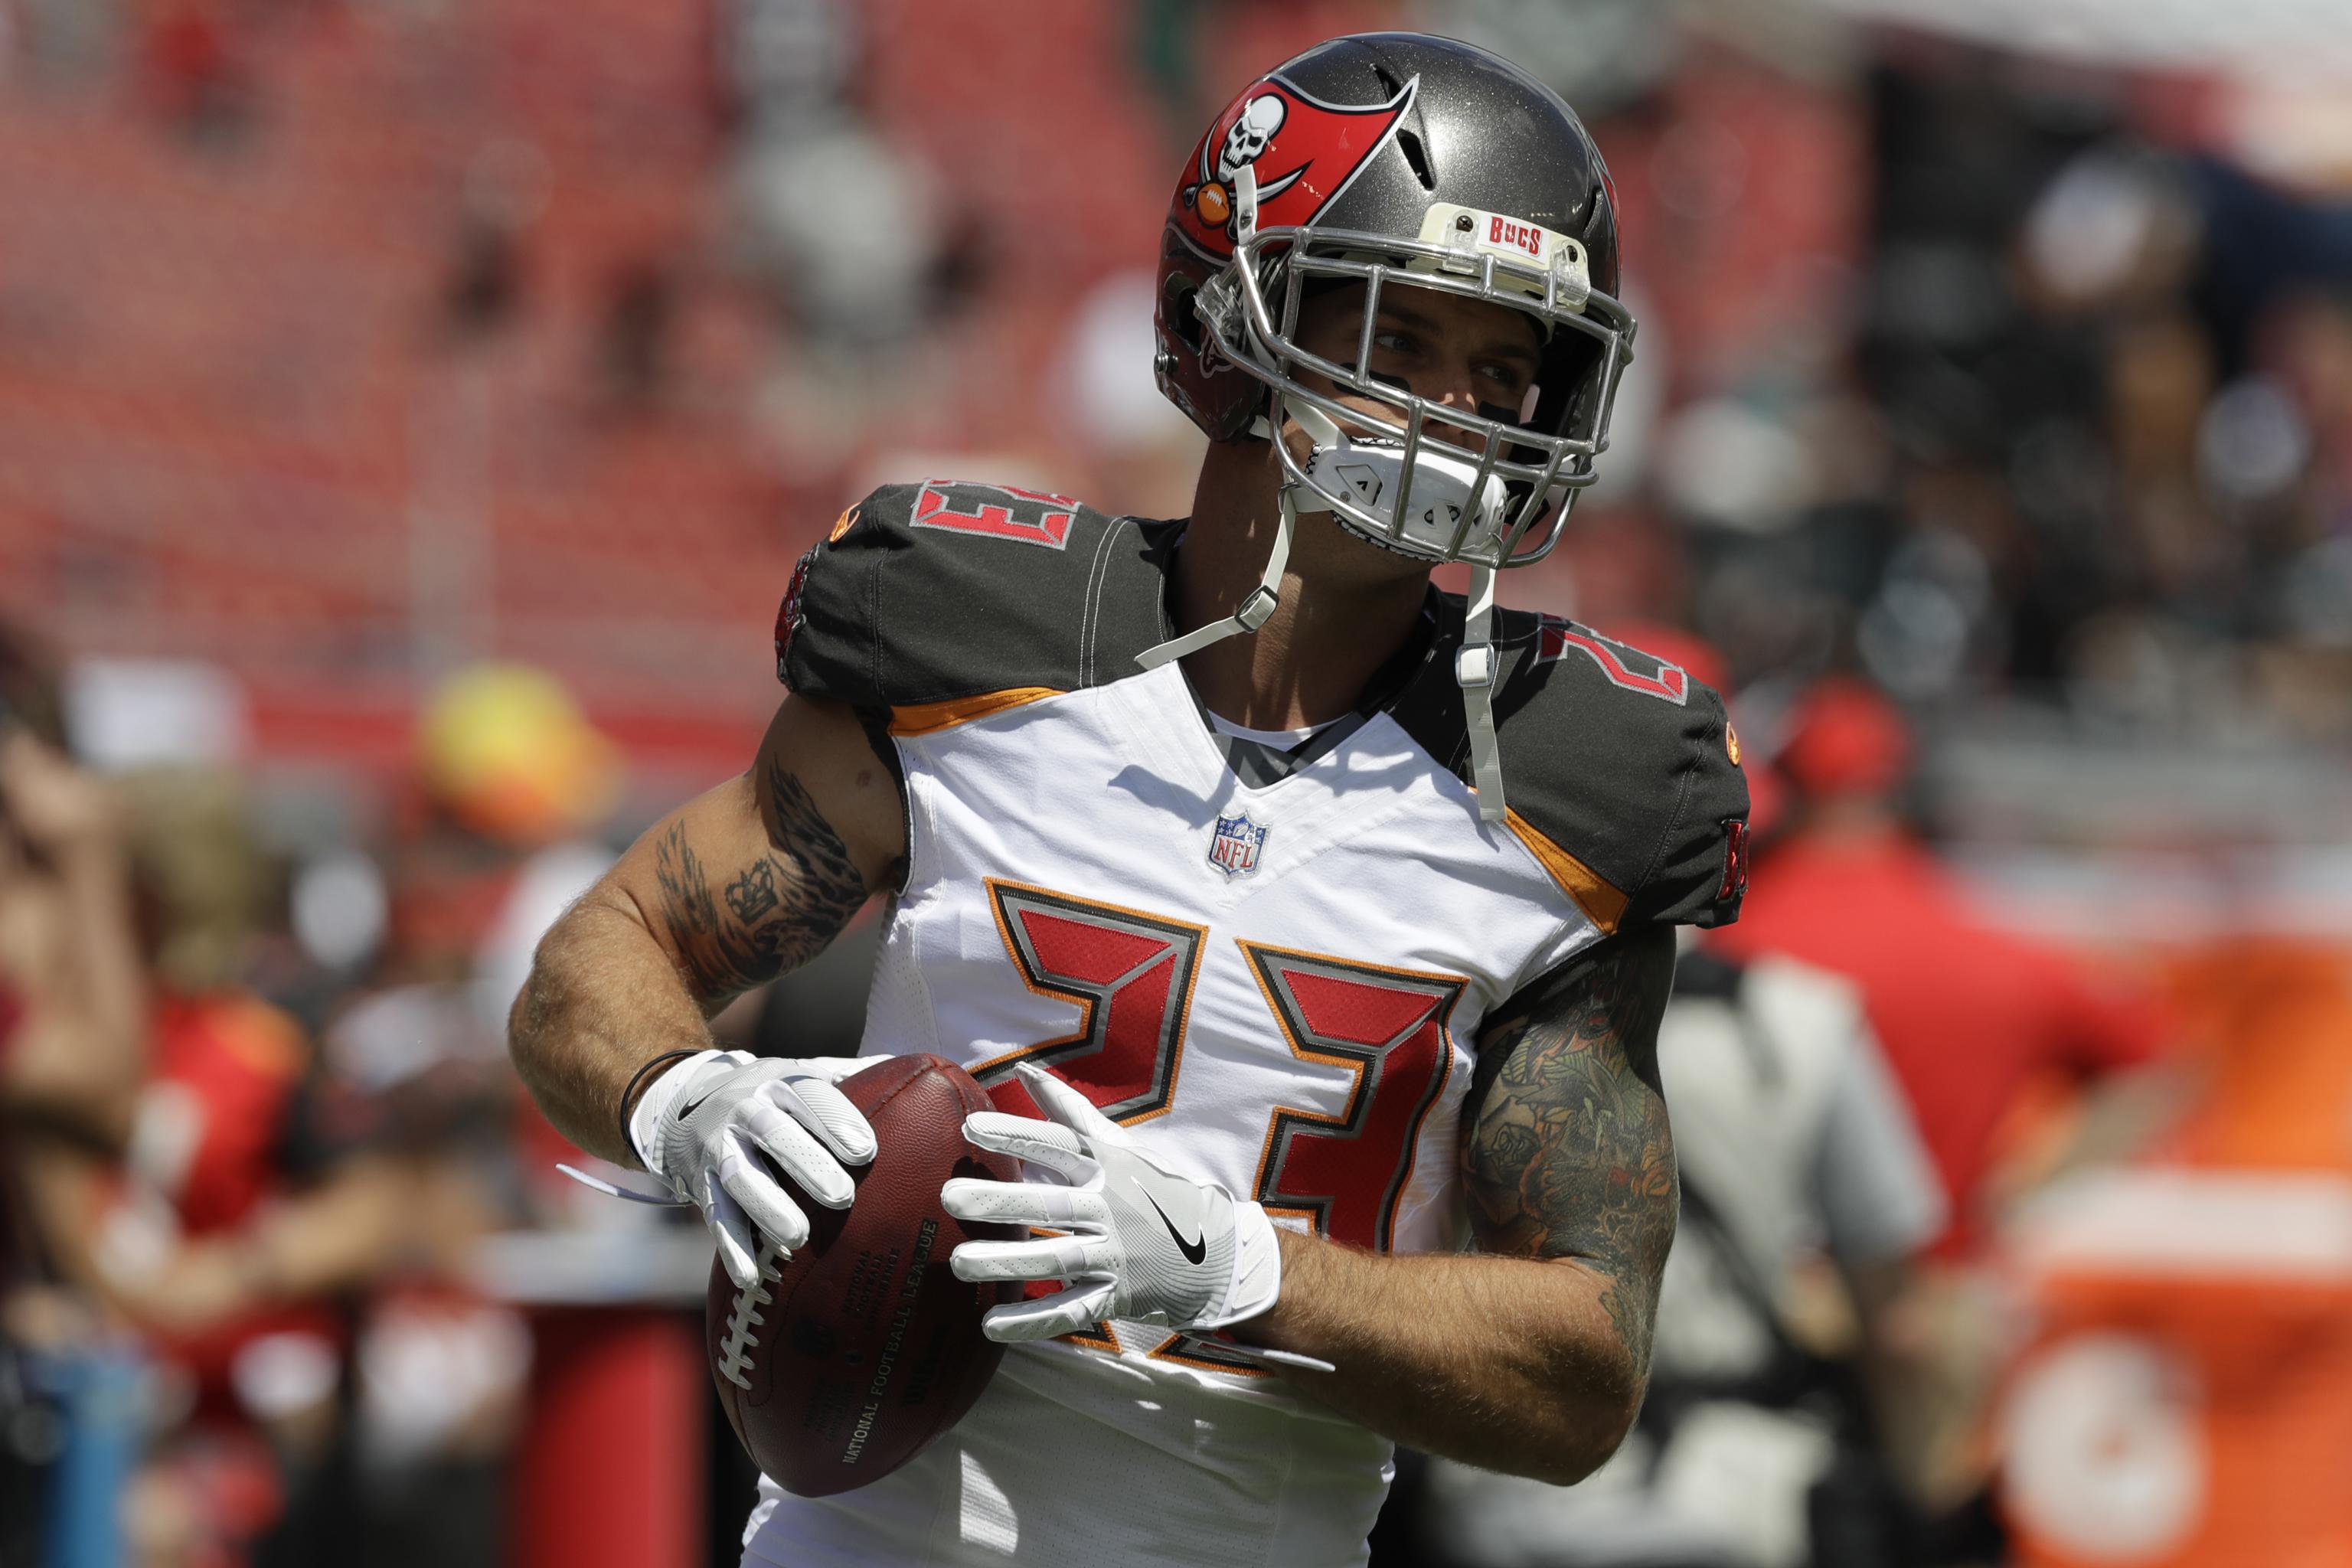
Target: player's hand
pixel 1142 1240
pixel 701 1125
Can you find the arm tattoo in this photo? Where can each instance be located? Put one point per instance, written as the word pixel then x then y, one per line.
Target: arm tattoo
pixel 777 913
pixel 1568 1154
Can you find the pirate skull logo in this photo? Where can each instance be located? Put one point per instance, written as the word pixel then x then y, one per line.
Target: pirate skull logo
pixel 1278 134
pixel 1245 142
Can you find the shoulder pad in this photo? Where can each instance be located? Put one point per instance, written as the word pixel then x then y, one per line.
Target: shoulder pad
pixel 1623 775
pixel 938 600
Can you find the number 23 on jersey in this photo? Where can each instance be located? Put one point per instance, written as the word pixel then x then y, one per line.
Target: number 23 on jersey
pixel 1131 975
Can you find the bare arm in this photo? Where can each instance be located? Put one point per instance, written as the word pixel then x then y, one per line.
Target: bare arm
pixel 1533 1359
pixel 79 1054
pixel 723 894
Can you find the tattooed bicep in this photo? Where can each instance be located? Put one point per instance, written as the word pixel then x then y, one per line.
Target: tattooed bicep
pixel 784 891
pixel 1567 1151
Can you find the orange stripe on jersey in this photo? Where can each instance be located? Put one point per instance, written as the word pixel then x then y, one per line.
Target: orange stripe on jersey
pixel 1603 904
pixel 1104 1338
pixel 923 718
pixel 1172 1349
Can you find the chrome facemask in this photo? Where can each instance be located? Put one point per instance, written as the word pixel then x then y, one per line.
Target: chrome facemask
pixel 1424 446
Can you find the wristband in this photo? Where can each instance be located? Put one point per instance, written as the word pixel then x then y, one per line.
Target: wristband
pixel 629 1094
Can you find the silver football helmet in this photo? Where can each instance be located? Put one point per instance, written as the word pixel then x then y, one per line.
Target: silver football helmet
pixel 1397 161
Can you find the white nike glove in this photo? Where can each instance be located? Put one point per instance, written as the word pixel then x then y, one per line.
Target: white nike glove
pixel 703 1125
pixel 1144 1241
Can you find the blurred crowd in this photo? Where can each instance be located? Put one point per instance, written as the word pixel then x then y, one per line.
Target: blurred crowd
pixel 1978 394
pixel 255 1117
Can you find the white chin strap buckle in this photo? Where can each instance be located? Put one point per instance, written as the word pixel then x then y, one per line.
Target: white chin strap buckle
pixel 1252 612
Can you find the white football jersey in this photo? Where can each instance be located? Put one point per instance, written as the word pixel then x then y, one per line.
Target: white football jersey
pixel 1272 966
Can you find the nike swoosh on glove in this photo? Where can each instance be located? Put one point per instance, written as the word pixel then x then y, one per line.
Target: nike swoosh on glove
pixel 703 1126
pixel 1142 1240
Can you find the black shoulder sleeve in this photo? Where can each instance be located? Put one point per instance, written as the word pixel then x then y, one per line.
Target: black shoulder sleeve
pixel 948 591
pixel 1623 777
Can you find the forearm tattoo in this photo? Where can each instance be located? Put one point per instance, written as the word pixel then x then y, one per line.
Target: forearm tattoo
pixel 1568 1154
pixel 772 916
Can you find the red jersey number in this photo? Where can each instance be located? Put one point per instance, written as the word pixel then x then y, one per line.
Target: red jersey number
pixel 996 511
pixel 1387 1026
pixel 1131 975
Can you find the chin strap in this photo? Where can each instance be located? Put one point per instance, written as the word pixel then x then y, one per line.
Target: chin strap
pixel 1252 612
pixel 1474 669
pixel 1258 608
pixel 1475 666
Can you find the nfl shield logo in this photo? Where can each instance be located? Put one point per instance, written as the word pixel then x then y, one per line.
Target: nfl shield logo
pixel 1233 847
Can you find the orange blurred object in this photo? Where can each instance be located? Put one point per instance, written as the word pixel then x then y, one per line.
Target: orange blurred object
pixel 2188 1400
pixel 2277 1014
pixel 2189 1397
pixel 509 751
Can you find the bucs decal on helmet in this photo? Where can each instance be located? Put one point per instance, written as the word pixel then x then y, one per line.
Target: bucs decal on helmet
pixel 1303 151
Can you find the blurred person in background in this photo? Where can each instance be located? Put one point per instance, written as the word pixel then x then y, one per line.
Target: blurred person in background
pixel 516 784
pixel 496 833
pixel 1972 1017
pixel 853 238
pixel 500 836
pixel 73 1048
pixel 1969 1014
pixel 69 972
pixel 259 1240
pixel 1807 1198
pixel 244 1231
pixel 268 1204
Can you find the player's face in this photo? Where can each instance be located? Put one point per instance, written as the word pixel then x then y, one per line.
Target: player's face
pixel 1457 353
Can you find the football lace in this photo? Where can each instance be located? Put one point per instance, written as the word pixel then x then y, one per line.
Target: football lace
pixel 742 1341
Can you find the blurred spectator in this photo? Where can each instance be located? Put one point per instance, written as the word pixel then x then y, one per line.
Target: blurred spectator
pixel 518 781
pixel 68 972
pixel 1970 1015
pixel 485 286
pixel 1972 1018
pixel 263 1211
pixel 1756 1446
pixel 1806 1195
pixel 280 1232
pixel 194 76
pixel 843 225
pixel 72 1048
pixel 511 782
pixel 635 342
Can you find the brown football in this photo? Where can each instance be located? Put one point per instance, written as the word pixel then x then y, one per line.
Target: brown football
pixel 857 1352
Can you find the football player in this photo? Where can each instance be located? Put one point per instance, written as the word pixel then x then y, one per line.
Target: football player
pixel 1310 927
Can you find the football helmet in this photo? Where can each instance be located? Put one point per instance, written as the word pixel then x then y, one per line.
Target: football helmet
pixel 1397 161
